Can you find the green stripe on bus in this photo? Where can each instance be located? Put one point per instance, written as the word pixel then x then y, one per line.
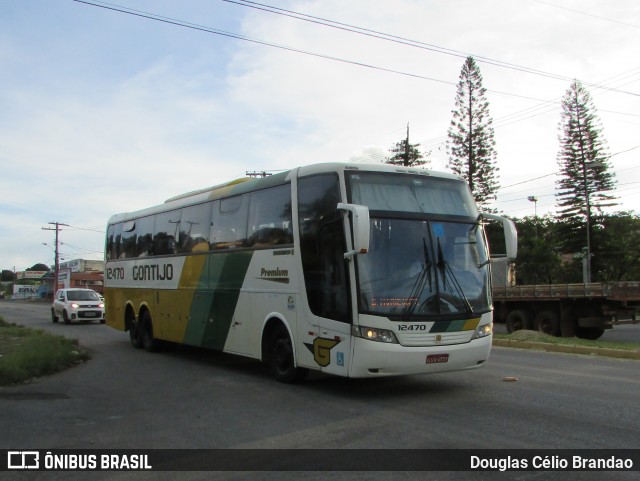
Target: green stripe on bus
pixel 213 308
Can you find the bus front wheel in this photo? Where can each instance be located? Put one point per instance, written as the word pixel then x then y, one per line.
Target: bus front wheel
pixel 281 358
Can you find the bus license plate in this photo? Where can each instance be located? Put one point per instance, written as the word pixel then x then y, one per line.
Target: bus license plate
pixel 435 358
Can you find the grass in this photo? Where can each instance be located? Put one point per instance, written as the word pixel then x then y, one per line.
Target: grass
pixel 535 336
pixel 30 353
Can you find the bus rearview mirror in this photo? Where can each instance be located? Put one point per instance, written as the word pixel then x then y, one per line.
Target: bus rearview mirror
pixel 360 227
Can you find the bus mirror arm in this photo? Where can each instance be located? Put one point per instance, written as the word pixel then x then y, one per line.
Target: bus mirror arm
pixel 510 233
pixel 360 227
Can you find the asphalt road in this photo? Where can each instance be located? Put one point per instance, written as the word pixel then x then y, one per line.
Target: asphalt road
pixel 189 398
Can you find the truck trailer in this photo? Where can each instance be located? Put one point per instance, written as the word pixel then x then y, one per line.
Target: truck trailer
pixel 567 310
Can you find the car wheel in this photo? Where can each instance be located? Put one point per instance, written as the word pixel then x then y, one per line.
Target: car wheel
pixel 65 316
pixel 54 318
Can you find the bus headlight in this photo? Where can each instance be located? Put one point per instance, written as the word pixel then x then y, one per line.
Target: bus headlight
pixel 483 331
pixel 375 334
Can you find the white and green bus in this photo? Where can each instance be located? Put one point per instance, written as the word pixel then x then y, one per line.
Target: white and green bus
pixel 350 269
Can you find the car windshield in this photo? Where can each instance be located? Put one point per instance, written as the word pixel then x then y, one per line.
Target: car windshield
pixel 82 296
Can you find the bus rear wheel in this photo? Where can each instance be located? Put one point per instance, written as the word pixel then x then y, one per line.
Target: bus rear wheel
pixel 150 343
pixel 134 334
pixel 281 358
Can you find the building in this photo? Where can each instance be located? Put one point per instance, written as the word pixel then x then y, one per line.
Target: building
pixel 88 274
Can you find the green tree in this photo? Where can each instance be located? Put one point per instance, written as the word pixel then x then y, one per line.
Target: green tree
pixel 38 267
pixel 471 144
pixel 585 179
pixel 618 257
pixel 7 276
pixel 538 261
pixel 407 154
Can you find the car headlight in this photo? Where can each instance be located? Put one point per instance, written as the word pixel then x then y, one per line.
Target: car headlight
pixel 375 334
pixel 483 331
pixel 74 305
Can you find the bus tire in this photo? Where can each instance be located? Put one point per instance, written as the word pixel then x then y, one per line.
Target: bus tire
pixel 281 358
pixel 135 334
pixel 149 343
pixel 547 322
pixel 518 319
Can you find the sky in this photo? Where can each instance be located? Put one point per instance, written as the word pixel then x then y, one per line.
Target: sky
pixel 104 111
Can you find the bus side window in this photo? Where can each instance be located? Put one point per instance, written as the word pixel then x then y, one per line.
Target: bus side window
pixel 128 240
pixel 270 217
pixel 195 226
pixel 166 232
pixel 229 226
pixel 115 234
pixel 144 229
pixel 322 247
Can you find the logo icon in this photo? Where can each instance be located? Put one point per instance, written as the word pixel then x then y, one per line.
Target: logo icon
pixel 23 460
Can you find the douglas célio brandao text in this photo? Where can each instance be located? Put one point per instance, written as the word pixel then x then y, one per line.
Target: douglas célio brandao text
pixel 550 462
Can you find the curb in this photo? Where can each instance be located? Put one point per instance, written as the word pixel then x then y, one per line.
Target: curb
pixel 568 349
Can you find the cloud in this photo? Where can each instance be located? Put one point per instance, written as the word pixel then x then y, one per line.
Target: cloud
pixel 102 112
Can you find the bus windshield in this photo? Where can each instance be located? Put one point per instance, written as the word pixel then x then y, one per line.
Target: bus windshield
pixel 427 255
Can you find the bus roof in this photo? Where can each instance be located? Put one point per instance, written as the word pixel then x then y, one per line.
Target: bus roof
pixel 248 184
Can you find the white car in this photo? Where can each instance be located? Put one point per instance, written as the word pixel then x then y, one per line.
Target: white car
pixel 77 305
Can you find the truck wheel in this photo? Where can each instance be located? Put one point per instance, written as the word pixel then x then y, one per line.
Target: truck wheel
pixel 547 322
pixel 518 319
pixel 591 333
pixel 567 322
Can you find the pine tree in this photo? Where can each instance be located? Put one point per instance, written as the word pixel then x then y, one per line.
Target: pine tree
pixel 406 153
pixel 585 180
pixel 471 145
pixel 583 158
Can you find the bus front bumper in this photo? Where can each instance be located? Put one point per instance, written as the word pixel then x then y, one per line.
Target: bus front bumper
pixel 372 359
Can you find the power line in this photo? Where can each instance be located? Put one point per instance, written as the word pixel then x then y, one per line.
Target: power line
pixel 101 231
pixel 182 23
pixel 588 14
pixel 409 42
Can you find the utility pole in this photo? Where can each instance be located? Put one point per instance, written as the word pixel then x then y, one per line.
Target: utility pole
pixel 56 251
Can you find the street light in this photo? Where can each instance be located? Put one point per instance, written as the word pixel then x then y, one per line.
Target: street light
pixel 534 199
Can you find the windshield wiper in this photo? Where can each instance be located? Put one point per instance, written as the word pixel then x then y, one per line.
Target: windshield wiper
pixel 419 285
pixel 445 269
